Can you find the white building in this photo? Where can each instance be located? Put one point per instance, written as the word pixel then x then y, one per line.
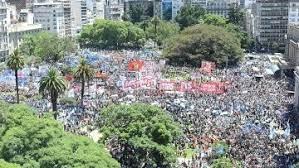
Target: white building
pixel 114 9
pixel 296 72
pixel 67 16
pixel 78 15
pixel 99 9
pixel 18 31
pixel 26 16
pixel 293 12
pixel 176 6
pixel 220 7
pixel 249 3
pixel 51 16
pixel 201 3
pixel 4 21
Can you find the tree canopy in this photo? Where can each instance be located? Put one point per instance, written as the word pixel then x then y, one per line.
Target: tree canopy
pixel 111 34
pixel 4 164
pixel 139 12
pixel 165 30
pixel 33 142
pixel 47 46
pixel 139 135
pixel 203 42
pixel 189 16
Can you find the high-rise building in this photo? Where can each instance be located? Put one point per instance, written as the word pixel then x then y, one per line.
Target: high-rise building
pixel 99 9
pixel 114 9
pixel 292 45
pixel 176 6
pixel 293 12
pixel 4 21
pixel 20 4
pixel 78 15
pixel 272 22
pixel 67 16
pixel 51 16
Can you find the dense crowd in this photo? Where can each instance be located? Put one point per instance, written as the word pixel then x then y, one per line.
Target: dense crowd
pixel 255 117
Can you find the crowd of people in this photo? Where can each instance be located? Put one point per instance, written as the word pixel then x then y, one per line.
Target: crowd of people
pixel 255 116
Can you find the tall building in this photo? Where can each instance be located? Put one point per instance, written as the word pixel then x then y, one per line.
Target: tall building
pixel 292 45
pixel 166 9
pixel 176 6
pixel 67 16
pixel 293 12
pixel 272 21
pixel 220 7
pixel 4 21
pixel 51 16
pixel 78 15
pixel 114 9
pixel 158 8
pixel 20 4
pixel 99 9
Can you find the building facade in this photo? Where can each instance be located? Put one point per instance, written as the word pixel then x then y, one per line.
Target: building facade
pixel 67 16
pixel 99 9
pixel 51 16
pixel 293 12
pixel 18 31
pixel 4 22
pixel 292 46
pixel 176 6
pixel 114 9
pixel 220 7
pixel 271 24
pixel 78 15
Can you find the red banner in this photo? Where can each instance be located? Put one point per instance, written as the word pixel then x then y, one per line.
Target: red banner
pixel 135 65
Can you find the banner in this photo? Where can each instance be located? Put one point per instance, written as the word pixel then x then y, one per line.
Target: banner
pixel 207 67
pixel 135 65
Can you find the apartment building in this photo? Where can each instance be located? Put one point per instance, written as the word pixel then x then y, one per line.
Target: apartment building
pixel 51 16
pixel 4 21
pixel 271 23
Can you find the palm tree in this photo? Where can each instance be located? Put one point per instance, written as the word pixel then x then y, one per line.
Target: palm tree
pixel 84 73
pixel 52 85
pixel 16 62
pixel 155 21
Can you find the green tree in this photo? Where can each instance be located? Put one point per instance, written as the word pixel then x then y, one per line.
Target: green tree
pixel 47 46
pixel 225 162
pixel 164 31
pixel 84 73
pixel 16 62
pixel 109 34
pixel 239 34
pixel 215 20
pixel 35 142
pixel 4 164
pixel 143 135
pixel 235 15
pixel 144 24
pixel 52 85
pixel 189 16
pixel 274 47
pixel 155 21
pixel 203 42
